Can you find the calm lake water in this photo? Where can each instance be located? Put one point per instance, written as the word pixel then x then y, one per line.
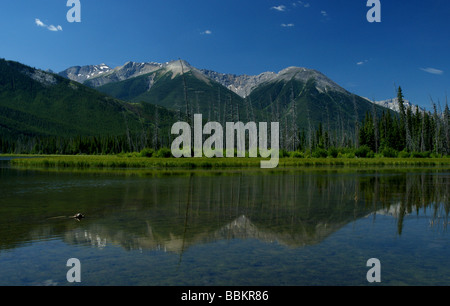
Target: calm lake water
pixel 298 228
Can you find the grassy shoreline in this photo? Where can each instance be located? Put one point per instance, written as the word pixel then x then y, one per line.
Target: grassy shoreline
pixel 135 162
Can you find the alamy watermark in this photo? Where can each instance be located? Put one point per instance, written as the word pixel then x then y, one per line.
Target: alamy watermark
pixel 374 14
pixel 374 273
pixel 74 13
pixel 74 273
pixel 214 145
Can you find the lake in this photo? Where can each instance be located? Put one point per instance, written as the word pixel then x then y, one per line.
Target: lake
pixel 314 226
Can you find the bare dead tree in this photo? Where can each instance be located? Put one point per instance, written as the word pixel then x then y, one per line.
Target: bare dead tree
pixel 423 147
pixel 309 128
pixel 409 141
pixel 328 126
pixel 143 140
pixel 252 112
pixel 219 112
pixel 342 133
pixel 225 113
pixel 356 136
pixel 186 101
pixel 294 126
pixel 285 146
pixel 156 129
pixel 375 125
pixel 130 144
pixel 437 128
pixel 446 123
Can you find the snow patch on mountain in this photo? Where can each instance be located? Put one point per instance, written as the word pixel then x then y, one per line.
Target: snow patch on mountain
pixel 82 73
pixel 393 105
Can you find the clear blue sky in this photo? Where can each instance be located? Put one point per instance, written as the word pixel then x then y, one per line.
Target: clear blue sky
pixel 409 48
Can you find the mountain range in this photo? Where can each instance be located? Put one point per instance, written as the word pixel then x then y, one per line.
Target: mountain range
pixel 99 75
pixel 242 85
pixel 100 100
pixel 298 94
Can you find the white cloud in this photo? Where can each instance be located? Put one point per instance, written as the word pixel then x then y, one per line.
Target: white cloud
pixel 280 8
pixel 51 27
pixel 289 25
pixel 301 3
pixel 362 62
pixel 39 23
pixel 324 13
pixel 432 71
pixel 207 32
pixel 54 29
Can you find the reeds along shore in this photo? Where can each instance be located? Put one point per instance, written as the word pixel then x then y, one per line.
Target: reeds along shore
pixel 136 161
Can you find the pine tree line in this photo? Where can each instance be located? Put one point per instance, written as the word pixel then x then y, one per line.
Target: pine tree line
pixel 90 145
pixel 412 131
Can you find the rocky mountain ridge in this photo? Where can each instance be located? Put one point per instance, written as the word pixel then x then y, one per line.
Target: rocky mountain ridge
pixel 243 85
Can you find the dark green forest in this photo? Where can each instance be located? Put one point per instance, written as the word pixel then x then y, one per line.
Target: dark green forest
pixel 411 133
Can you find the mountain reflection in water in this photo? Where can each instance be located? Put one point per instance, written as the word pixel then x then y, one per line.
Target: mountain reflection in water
pixel 171 214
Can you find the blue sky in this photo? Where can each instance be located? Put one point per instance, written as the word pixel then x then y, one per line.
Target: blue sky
pixel 409 48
